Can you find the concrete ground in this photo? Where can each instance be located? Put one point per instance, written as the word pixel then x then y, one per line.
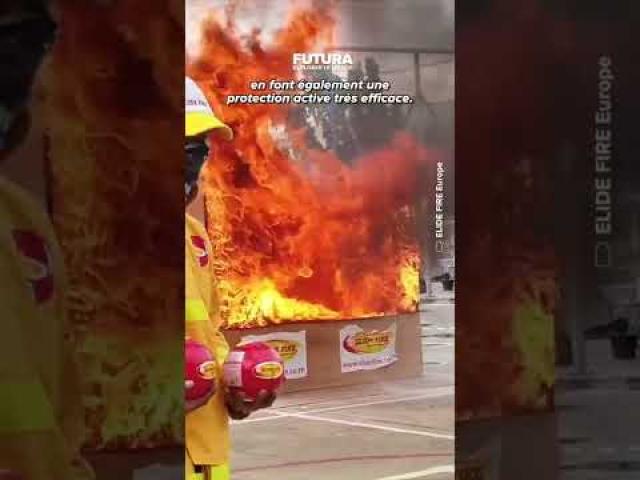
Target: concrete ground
pixel 599 419
pixel 385 431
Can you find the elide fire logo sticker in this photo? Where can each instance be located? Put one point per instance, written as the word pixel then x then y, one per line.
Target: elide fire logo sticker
pixel 207 370
pixel 287 349
pixel 362 349
pixel 36 263
pixel 269 370
pixel 367 342
pixel 201 249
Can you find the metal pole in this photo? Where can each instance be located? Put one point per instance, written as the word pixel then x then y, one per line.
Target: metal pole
pixel 575 314
pixel 416 73
pixel 570 218
pixel 426 51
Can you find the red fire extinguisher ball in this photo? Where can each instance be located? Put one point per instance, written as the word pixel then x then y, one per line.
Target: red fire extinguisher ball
pixel 199 370
pixel 252 367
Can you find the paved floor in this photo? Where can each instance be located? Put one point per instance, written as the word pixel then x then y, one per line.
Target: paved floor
pixel 599 419
pixel 386 431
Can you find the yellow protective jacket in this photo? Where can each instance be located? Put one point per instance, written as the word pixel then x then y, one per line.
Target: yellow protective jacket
pixel 207 428
pixel 40 420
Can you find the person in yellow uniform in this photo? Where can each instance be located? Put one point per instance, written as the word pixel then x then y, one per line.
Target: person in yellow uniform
pixel 207 420
pixel 39 396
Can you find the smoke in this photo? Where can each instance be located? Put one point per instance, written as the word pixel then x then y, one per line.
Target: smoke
pixel 410 24
pixel 267 16
pixel 448 8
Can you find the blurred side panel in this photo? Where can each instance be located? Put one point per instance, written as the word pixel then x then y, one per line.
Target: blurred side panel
pixel 112 113
pixel 547 237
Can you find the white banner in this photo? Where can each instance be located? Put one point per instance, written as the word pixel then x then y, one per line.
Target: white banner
pixel 367 349
pixel 292 347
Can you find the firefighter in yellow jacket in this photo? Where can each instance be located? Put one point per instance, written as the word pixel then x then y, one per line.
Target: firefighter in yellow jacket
pixel 207 420
pixel 39 399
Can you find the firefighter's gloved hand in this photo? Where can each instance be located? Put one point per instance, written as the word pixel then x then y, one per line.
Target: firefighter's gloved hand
pixel 190 405
pixel 240 406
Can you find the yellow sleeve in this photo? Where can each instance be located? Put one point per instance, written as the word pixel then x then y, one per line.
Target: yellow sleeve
pixel 32 441
pixel 207 428
pixel 202 303
pixel 201 322
pixel 40 417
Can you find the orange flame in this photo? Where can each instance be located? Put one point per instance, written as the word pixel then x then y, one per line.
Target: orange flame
pixel 111 95
pixel 298 234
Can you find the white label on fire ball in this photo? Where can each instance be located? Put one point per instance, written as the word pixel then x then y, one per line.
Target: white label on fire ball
pixel 233 369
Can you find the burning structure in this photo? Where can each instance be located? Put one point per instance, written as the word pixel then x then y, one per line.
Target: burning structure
pixel 298 233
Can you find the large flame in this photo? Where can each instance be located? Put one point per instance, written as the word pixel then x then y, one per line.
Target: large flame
pixel 298 234
pixel 116 198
